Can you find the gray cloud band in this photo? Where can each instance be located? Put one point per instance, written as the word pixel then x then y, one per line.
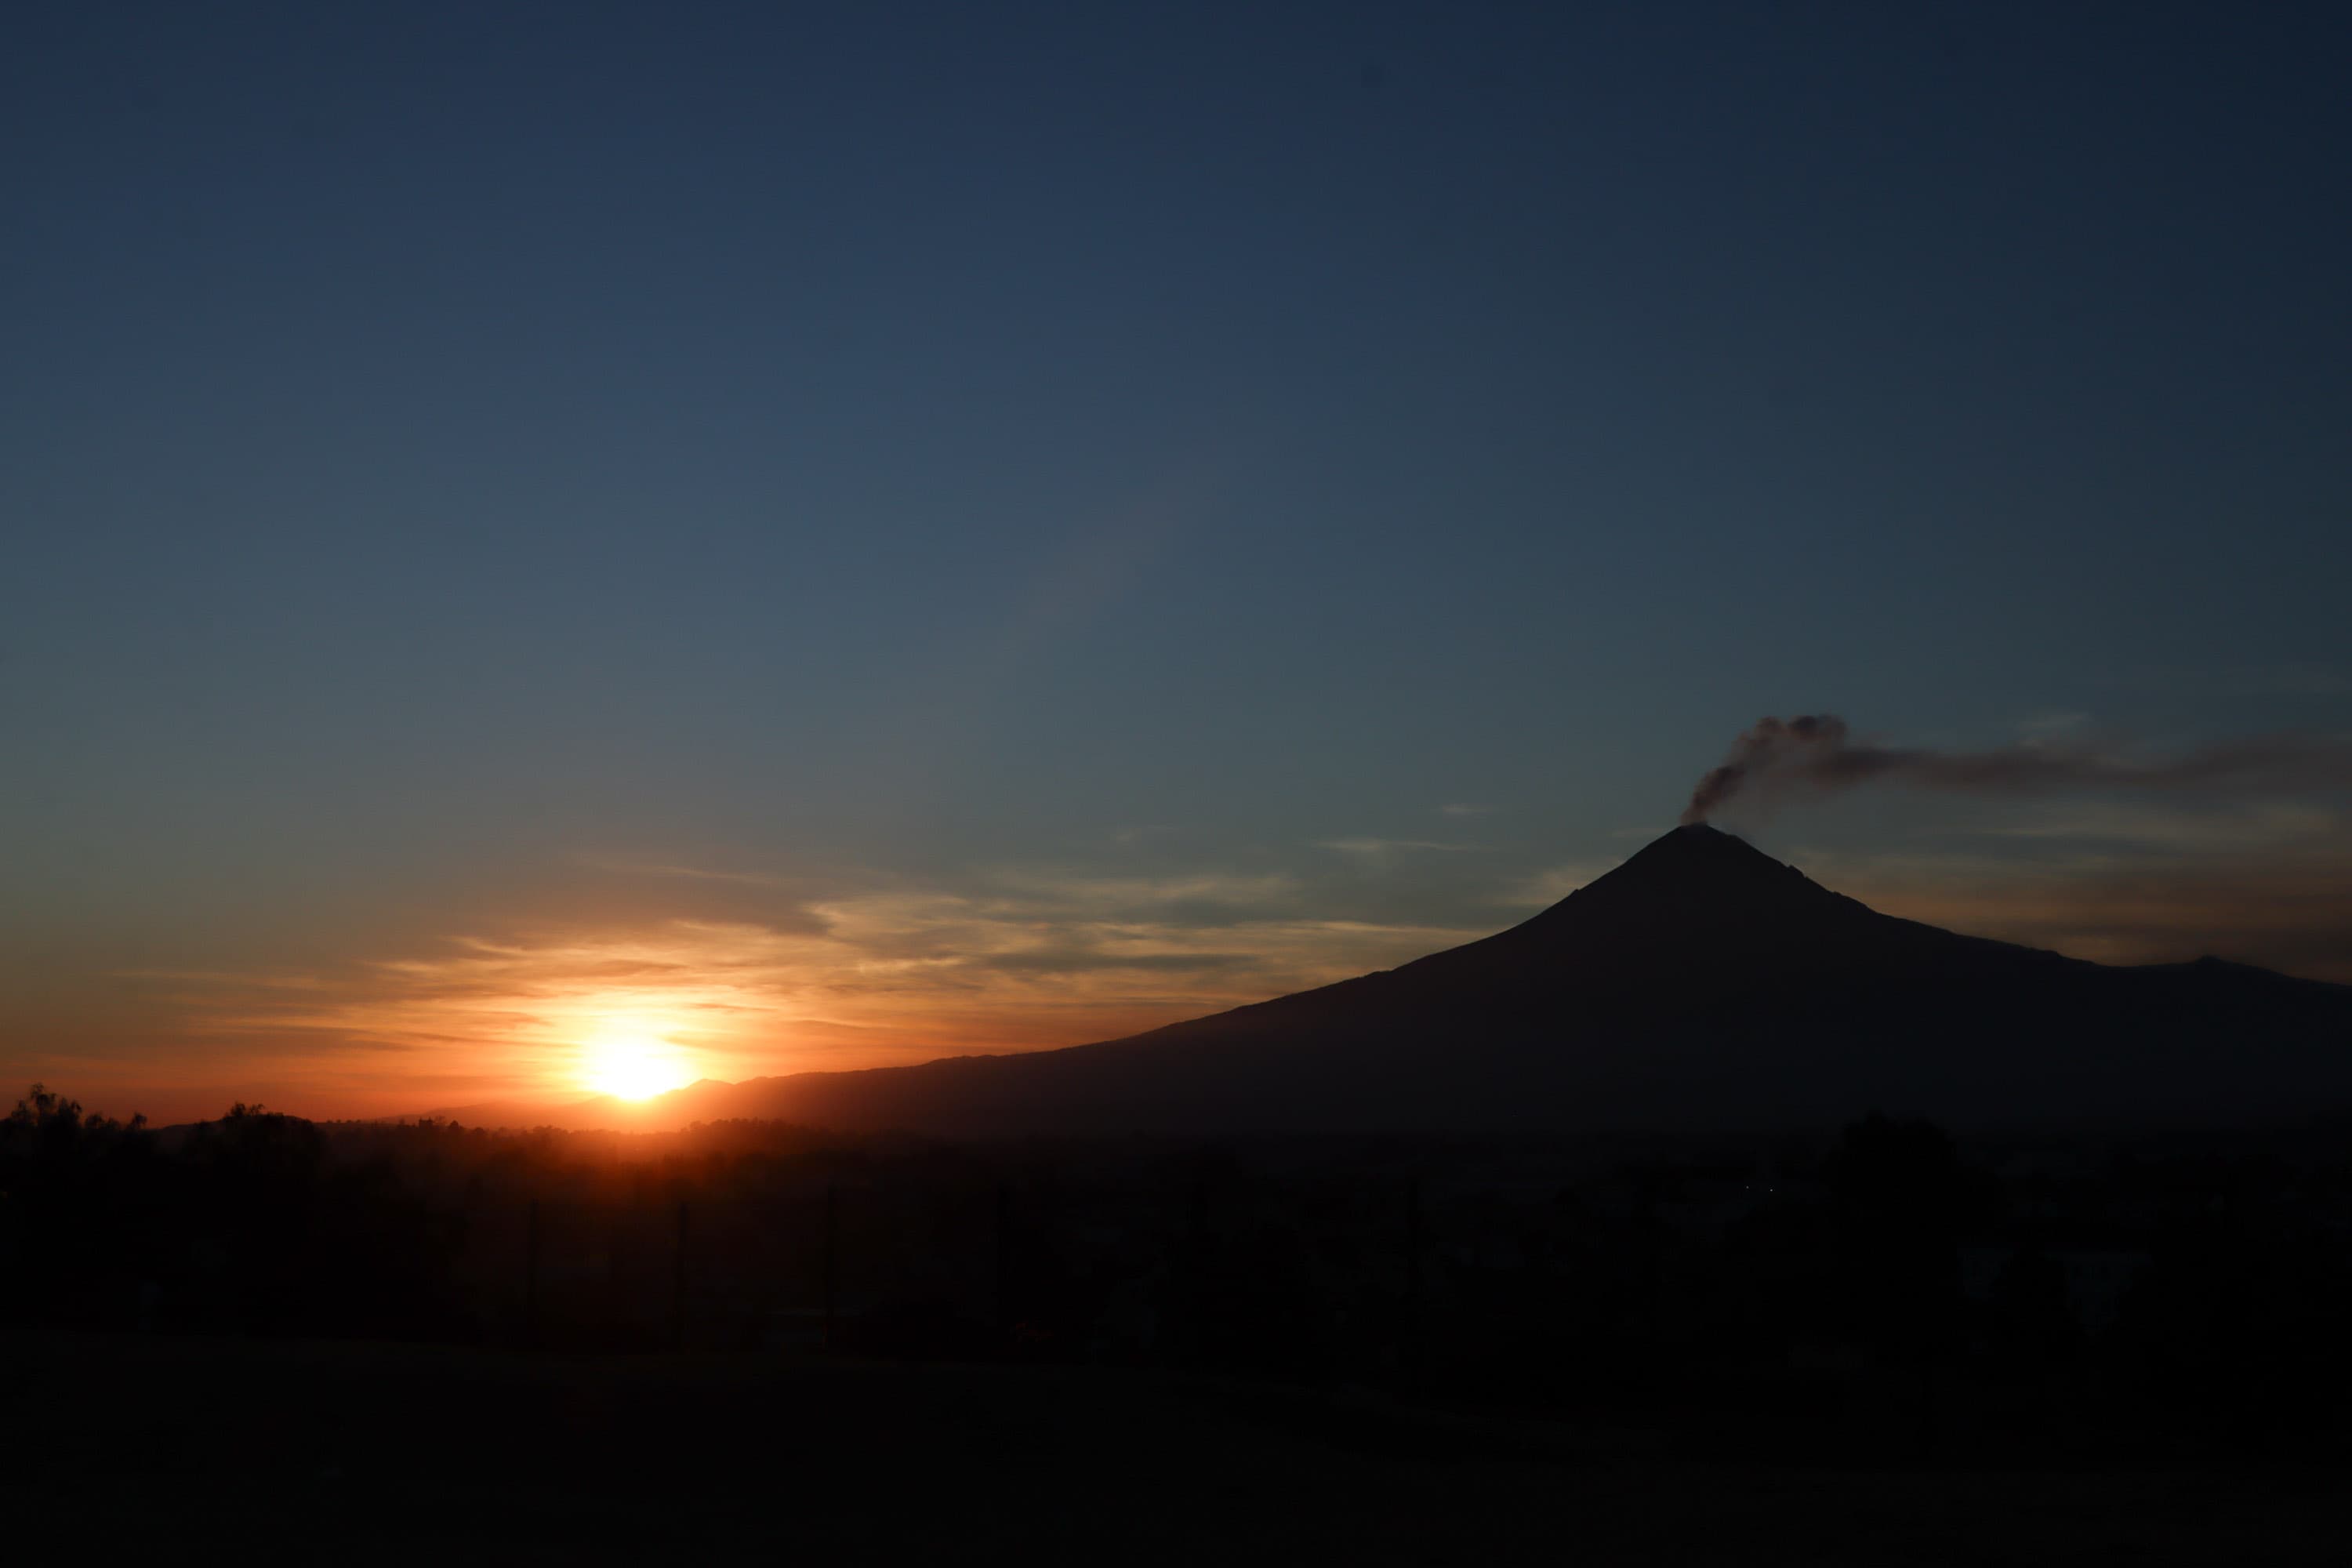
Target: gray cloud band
pixel 1813 753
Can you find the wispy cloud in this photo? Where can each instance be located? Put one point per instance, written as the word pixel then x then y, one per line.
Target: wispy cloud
pixel 621 865
pixel 1030 957
pixel 2284 903
pixel 1815 755
pixel 1377 847
pixel 1464 808
pixel 2234 828
pixel 255 981
pixel 1018 886
pixel 2041 726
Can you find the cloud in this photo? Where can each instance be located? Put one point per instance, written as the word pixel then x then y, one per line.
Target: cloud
pixel 262 980
pixel 1462 808
pixel 2284 902
pixel 1028 957
pixel 1379 847
pixel 691 873
pixel 1814 753
pixel 2235 828
pixel 2225 849
pixel 1031 888
pixel 2040 726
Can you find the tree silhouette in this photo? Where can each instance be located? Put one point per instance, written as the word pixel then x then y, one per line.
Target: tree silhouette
pixel 73 1213
pixel 1899 1200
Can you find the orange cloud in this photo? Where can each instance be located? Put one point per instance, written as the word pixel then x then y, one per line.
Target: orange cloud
pixel 1039 960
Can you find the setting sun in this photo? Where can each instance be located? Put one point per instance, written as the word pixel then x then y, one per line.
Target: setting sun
pixel 632 1067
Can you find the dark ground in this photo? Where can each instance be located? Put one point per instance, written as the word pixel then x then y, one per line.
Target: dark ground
pixel 367 1452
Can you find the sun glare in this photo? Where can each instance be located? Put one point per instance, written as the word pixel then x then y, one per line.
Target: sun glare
pixel 632 1067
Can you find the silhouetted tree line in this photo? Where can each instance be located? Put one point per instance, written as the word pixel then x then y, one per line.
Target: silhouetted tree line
pixel 250 1223
pixel 1884 1292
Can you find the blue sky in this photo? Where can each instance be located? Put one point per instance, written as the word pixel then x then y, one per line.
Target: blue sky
pixel 559 477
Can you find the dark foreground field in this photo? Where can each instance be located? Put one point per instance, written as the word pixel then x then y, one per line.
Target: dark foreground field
pixel 277 1450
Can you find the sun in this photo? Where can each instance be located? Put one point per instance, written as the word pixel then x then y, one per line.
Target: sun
pixel 632 1067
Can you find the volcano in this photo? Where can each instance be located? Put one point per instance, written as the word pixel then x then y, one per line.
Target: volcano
pixel 1702 985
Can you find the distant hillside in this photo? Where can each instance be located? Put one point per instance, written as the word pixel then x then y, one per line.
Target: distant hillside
pixel 1701 984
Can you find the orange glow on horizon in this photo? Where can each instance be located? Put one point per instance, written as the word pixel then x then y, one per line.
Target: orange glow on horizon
pixel 552 1016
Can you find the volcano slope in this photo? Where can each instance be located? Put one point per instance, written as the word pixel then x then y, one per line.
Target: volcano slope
pixel 1700 986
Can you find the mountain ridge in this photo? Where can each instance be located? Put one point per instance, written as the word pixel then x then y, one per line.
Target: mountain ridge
pixel 1700 981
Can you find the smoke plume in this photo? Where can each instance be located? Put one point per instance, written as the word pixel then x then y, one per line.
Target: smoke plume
pixel 1814 754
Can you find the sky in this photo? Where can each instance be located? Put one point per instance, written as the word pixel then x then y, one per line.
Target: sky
pixel 553 545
